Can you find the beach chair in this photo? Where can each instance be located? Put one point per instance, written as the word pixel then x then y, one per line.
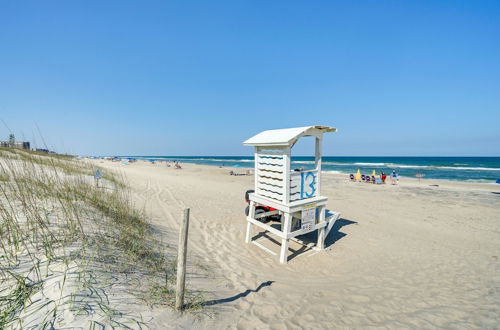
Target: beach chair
pixel 351 176
pixel 363 178
pixel 367 179
pixel 373 179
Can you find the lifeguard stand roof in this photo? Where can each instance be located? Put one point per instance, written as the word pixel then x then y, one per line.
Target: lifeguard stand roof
pixel 286 136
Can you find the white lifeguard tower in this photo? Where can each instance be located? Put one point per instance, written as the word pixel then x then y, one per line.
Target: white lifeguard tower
pixel 295 195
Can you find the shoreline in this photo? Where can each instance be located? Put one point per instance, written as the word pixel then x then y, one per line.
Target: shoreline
pixel 337 174
pixel 441 168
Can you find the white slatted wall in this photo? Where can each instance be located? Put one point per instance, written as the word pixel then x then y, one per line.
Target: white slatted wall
pixel 270 173
pixel 270 168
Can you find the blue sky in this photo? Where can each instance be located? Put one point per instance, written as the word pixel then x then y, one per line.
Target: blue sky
pixel 199 77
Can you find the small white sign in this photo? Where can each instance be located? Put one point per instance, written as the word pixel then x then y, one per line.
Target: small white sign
pixel 308 219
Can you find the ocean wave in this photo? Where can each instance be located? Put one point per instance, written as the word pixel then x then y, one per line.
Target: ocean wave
pixel 453 167
pixel 303 161
pixel 338 164
pixel 211 160
pixel 470 168
pixel 409 166
pixel 230 160
pixel 480 181
pixel 432 167
pixel 370 164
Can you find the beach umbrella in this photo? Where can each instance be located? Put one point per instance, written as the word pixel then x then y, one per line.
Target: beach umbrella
pixel 358 176
pixel 236 165
pixel 498 181
pixel 374 173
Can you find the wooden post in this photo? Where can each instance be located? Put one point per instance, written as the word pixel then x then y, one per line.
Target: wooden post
pixel 285 229
pixel 181 261
pixel 317 161
pixel 287 155
pixel 321 232
pixel 251 214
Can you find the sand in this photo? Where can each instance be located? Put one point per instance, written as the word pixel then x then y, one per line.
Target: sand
pixel 406 256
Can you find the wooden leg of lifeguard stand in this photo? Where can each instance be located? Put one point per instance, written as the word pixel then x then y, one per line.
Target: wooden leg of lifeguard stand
pixel 285 229
pixel 320 245
pixel 251 214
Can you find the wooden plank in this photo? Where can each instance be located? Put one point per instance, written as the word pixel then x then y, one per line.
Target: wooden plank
pixel 287 158
pixel 266 151
pixel 270 161
pixel 266 227
pixel 265 186
pixel 270 189
pixel 264 248
pixel 270 194
pixel 270 156
pixel 274 162
pixel 287 225
pixel 331 220
pixel 257 150
pixel 321 232
pixel 265 214
pixel 273 168
pixel 269 174
pixel 251 214
pixel 290 207
pixel 302 232
pixel 274 182
pixel 319 139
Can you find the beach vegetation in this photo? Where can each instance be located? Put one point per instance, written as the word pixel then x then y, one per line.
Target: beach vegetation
pixel 67 245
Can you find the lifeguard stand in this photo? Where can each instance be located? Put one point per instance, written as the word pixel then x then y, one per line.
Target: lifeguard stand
pixel 295 195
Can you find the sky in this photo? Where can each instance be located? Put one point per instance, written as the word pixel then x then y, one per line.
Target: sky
pixel 397 78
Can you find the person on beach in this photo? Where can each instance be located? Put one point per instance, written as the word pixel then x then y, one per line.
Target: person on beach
pixel 394 177
pixel 383 176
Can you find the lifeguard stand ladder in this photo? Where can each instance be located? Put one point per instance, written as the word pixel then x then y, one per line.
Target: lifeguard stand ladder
pixel 295 195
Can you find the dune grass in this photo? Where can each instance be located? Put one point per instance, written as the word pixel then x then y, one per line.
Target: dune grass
pixel 56 225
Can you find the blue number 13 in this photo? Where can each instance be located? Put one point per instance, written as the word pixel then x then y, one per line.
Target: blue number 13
pixel 303 179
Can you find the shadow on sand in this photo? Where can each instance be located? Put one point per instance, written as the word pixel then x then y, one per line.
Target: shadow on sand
pixel 236 297
pixel 309 240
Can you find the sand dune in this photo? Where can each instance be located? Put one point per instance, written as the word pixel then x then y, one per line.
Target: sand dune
pixel 407 256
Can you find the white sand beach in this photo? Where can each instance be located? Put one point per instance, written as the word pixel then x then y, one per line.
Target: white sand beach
pixel 416 255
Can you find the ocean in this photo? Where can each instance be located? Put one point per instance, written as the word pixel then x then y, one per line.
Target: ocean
pixel 472 169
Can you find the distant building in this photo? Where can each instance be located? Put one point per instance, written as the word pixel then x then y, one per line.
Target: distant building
pixel 17 145
pixel 12 143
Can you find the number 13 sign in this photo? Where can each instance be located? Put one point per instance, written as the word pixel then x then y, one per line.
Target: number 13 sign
pixel 307 184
